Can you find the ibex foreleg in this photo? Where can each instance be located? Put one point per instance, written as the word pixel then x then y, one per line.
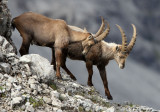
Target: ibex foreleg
pixel 89 67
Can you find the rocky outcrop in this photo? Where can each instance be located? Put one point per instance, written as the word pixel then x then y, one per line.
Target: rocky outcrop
pixel 5 22
pixel 28 84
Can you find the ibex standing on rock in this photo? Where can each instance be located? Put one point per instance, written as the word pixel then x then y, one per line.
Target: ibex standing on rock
pixel 100 54
pixel 54 33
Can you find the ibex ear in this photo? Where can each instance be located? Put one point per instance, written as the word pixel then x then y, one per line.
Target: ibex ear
pixel 117 48
pixel 85 30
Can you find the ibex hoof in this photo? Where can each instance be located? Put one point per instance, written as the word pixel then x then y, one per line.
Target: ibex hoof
pixel 74 78
pixel 90 84
pixel 110 97
pixel 59 77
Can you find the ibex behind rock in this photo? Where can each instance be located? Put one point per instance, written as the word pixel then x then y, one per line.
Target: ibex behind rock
pixel 100 54
pixel 54 33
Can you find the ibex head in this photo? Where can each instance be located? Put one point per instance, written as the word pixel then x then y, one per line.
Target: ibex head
pixel 94 38
pixel 122 51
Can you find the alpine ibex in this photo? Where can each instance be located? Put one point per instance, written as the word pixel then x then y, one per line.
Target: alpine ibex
pixel 100 54
pixel 54 33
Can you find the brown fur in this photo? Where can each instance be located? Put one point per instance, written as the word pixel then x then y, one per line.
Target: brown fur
pixel 100 54
pixel 55 33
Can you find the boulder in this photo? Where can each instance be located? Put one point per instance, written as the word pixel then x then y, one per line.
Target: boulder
pixel 40 66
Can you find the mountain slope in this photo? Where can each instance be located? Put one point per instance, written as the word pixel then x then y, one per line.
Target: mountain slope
pixel 28 83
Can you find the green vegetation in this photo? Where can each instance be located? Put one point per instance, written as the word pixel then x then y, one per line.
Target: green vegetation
pixel 1 88
pixel 53 85
pixel 94 99
pixel 80 108
pixel 35 103
pixel 92 91
pixel 106 104
pixel 2 94
pixel 131 105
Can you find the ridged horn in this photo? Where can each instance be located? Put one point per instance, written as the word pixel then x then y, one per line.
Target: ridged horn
pixel 104 34
pixel 133 40
pixel 101 29
pixel 124 40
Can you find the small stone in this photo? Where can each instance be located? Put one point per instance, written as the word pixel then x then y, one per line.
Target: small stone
pixel 6 75
pixel 26 96
pixel 87 109
pixel 111 109
pixel 59 110
pixel 8 86
pixel 11 79
pixel 75 85
pixel 28 90
pixel 5 67
pixel 46 91
pixel 16 100
pixel 55 109
pixel 47 100
pixel 29 107
pixel 56 102
pixel 79 97
pixel 44 85
pixel 18 87
pixel 39 89
pixel 23 107
pixel 15 93
pixel 63 97
pixel 1 76
pixel 1 57
pixel 97 109
pixel 35 92
pixel 3 110
pixel 32 81
pixel 33 86
pixel 54 93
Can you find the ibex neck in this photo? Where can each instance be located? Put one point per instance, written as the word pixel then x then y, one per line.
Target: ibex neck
pixel 108 50
pixel 77 36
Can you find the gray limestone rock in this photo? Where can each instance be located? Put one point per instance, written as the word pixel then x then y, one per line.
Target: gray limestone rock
pixel 39 66
pixel 47 100
pixel 5 67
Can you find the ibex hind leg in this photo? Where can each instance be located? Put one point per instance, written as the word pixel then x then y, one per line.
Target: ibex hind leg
pixel 60 44
pixel 58 56
pixel 53 62
pixel 25 45
pixel 64 56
